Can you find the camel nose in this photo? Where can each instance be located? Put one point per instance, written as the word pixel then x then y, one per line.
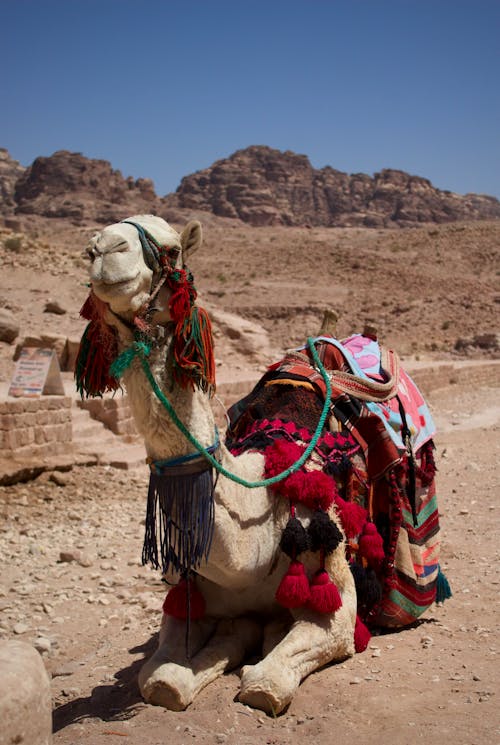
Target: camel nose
pixel 96 269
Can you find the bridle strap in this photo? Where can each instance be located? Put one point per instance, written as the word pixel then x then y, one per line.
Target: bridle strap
pixel 156 256
pixel 150 247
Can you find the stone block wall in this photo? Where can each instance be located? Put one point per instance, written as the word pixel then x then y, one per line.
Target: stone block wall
pixel 114 413
pixel 36 427
pixel 433 377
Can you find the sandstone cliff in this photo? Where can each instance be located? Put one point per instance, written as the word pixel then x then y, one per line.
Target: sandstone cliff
pixel 263 186
pixel 68 185
pixel 258 185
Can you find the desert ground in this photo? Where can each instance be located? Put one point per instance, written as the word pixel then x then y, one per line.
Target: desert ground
pixel 70 542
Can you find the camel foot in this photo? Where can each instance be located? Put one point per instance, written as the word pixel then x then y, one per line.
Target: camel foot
pixel 268 690
pixel 174 684
pixel 167 684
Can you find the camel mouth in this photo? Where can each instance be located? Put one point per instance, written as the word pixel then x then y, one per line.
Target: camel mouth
pixel 115 285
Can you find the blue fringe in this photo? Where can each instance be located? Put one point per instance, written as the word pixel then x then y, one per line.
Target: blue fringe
pixel 443 589
pixel 180 517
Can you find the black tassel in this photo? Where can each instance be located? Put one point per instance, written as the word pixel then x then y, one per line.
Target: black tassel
pixel 323 533
pixel 150 545
pixel 368 588
pixel 411 482
pixel 294 539
pixel 180 514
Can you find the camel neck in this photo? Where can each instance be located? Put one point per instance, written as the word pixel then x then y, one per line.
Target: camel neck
pixel 192 407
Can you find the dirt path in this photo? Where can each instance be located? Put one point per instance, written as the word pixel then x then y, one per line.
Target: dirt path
pixel 72 584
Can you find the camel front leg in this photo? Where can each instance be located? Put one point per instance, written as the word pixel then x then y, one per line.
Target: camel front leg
pixel 312 642
pixel 171 680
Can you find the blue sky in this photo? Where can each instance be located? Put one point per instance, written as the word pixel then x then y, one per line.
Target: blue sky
pixel 163 88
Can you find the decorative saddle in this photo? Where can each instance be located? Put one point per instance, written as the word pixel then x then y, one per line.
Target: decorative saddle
pixel 373 462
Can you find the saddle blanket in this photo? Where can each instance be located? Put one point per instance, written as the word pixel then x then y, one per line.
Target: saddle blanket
pixel 363 356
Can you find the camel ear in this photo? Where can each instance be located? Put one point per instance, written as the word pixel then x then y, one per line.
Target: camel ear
pixel 190 238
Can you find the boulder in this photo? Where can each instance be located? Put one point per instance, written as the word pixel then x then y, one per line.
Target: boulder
pixel 54 306
pixel 9 326
pixel 25 697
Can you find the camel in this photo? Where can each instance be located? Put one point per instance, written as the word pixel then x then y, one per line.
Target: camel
pixel 223 605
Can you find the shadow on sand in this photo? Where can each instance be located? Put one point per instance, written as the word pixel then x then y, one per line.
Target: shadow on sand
pixel 111 702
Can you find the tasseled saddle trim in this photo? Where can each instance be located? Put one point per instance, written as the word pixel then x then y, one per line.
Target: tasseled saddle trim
pixel 180 513
pixel 317 490
pixel 295 590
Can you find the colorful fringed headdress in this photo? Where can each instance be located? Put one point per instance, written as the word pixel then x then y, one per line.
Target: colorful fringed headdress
pixel 191 328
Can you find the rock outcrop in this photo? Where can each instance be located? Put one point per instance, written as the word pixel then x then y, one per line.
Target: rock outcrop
pixel 263 186
pixel 10 171
pixel 68 185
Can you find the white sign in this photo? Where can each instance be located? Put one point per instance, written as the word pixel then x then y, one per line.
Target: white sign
pixel 37 373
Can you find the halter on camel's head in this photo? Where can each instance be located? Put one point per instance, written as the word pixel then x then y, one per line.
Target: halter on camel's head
pixel 189 325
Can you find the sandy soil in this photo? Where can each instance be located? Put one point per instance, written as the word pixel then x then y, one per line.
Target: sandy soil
pixel 70 542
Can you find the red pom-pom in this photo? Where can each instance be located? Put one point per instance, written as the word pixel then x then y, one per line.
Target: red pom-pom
pixel 361 636
pixel 371 546
pixel 176 602
pixel 319 490
pixel 315 489
pixel 293 590
pixel 352 516
pixel 280 456
pixel 325 596
pixel 293 487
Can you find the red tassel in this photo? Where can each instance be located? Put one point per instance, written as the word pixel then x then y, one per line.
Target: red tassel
pixel 193 351
pixel 180 304
pixel 176 601
pixel 183 295
pixel 352 516
pixel 325 596
pixel 97 351
pixel 293 590
pixel 371 546
pixel 361 636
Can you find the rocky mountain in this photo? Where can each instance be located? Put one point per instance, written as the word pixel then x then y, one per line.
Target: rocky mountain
pixel 258 185
pixel 263 186
pixel 68 185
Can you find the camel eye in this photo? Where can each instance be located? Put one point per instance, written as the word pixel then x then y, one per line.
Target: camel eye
pixel 119 247
pixel 90 254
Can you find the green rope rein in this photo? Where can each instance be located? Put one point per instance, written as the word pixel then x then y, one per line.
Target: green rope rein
pixel 141 350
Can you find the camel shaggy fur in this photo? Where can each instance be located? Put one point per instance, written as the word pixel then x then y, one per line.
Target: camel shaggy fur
pixel 244 566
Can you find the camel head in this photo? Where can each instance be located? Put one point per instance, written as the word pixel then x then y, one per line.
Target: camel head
pixel 129 258
pixel 139 281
